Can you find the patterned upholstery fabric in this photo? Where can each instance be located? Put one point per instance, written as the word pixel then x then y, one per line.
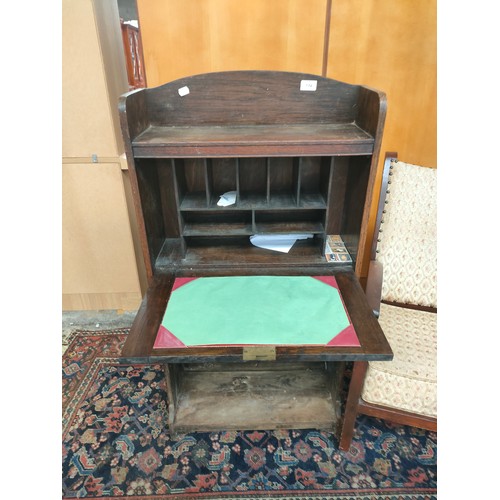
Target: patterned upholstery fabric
pixel 408 245
pixel 407 249
pixel 408 382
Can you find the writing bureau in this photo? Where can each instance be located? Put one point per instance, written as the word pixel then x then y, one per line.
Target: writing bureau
pixel 299 154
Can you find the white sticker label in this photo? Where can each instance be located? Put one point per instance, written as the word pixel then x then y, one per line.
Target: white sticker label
pixel 183 91
pixel 308 85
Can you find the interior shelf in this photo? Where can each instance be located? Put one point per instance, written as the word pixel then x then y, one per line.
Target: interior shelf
pixel 229 141
pixel 228 251
pixel 217 229
pixel 236 229
pixel 289 227
pixel 198 201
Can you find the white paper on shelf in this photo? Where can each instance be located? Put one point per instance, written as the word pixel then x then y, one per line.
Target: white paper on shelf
pixel 277 242
pixel 227 199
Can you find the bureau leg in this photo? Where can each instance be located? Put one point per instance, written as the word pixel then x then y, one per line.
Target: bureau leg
pixel 335 373
pixel 172 382
pixel 351 409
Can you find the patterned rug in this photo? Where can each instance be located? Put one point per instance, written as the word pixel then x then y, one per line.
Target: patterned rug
pixel 115 444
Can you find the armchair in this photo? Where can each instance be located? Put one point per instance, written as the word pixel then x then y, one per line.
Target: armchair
pixel 402 291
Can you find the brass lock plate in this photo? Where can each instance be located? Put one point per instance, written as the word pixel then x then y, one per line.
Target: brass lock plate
pixel 259 353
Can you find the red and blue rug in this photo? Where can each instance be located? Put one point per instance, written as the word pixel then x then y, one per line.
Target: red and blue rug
pixel 115 444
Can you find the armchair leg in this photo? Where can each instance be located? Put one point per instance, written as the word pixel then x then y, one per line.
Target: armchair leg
pixel 351 409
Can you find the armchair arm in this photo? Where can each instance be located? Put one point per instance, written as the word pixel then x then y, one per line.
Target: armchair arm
pixel 374 286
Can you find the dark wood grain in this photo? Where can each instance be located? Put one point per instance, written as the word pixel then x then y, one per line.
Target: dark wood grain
pixel 280 176
pixel 372 112
pixel 355 204
pixel 172 382
pixel 406 305
pixel 351 408
pixel 337 192
pixel 251 97
pixel 134 119
pixel 372 106
pixel 288 134
pixel 373 288
pixel 367 327
pixel 224 176
pixel 252 141
pixel 336 373
pixel 168 198
pixel 152 208
pixel 397 416
pixel 233 253
pixel 236 131
pixel 299 162
pixel 139 343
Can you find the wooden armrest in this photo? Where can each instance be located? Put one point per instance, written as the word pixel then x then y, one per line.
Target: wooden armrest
pixel 374 286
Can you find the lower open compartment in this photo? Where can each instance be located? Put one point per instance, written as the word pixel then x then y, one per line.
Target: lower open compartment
pixel 253 395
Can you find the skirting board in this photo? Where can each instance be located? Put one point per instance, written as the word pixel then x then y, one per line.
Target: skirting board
pixel 96 301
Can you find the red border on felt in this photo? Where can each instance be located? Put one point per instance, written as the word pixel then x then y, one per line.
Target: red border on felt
pixel 346 338
pixel 166 338
pixel 178 282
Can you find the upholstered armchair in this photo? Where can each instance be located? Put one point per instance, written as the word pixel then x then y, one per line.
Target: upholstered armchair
pixel 402 291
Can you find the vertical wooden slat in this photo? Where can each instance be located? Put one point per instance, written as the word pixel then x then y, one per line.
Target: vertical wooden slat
pixel 207 165
pixel 297 174
pixel 177 192
pixel 268 180
pixel 326 42
pixel 169 207
pixel 237 174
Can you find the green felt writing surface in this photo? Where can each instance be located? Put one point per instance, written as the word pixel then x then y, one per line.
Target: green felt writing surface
pixel 255 310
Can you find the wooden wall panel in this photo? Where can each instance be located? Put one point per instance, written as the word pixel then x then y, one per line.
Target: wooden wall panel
pixel 187 37
pixel 392 46
pixel 87 122
pixel 389 45
pixel 100 268
pixel 113 60
pixel 98 252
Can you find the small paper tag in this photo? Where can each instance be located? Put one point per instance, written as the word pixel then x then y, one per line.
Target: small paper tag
pixel 308 85
pixel 259 353
pixel 183 91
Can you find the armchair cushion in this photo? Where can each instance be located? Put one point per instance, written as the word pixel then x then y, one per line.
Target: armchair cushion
pixel 409 381
pixel 407 239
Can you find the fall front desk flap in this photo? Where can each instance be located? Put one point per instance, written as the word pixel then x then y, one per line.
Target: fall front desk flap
pixel 255 310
